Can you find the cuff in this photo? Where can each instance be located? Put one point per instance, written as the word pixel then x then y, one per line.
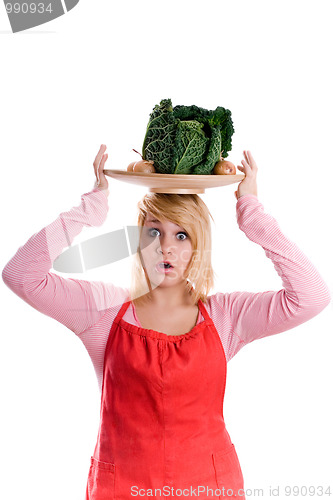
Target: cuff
pixel 243 198
pixel 104 191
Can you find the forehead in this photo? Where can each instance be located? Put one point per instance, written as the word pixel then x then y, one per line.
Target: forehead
pixel 150 218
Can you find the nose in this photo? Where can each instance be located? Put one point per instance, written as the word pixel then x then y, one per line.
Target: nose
pixel 165 246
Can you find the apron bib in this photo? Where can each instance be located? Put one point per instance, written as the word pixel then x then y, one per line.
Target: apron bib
pixel 162 431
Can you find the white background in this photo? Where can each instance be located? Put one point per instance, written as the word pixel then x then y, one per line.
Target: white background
pixel 92 77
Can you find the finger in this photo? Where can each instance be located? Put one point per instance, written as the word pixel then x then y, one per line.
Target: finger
pixel 101 165
pixel 246 165
pixel 98 157
pixel 249 158
pixel 100 153
pixel 103 160
pixel 246 156
pixel 100 173
pixel 252 159
pixel 97 162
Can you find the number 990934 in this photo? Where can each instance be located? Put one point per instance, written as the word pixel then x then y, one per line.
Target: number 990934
pixel 28 8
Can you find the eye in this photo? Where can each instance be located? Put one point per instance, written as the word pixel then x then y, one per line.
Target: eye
pixel 184 234
pixel 151 230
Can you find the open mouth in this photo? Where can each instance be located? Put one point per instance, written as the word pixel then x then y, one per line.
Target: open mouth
pixel 165 265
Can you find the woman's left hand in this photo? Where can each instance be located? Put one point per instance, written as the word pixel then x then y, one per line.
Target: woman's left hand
pixel 249 184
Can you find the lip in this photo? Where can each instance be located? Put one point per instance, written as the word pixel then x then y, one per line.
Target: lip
pixel 163 270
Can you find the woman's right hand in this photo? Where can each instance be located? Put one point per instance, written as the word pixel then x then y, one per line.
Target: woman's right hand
pixel 101 181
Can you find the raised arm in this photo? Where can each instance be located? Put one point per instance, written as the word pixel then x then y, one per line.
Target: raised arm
pixel 77 304
pixel 304 294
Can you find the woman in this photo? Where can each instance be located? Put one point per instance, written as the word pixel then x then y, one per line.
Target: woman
pixel 160 349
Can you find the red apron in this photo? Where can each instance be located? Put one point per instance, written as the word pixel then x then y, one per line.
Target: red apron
pixel 161 423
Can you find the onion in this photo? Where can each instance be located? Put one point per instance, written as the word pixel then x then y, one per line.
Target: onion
pixel 144 166
pixel 141 165
pixel 130 166
pixel 224 167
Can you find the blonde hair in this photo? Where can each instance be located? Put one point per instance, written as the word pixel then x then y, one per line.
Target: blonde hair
pixel 190 212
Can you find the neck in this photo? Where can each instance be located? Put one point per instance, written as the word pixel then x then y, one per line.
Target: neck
pixel 174 296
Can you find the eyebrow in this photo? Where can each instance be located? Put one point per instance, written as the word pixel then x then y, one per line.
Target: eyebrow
pixel 155 220
pixel 158 221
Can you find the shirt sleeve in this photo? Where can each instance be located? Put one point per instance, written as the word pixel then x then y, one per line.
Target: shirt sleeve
pixel 77 304
pixel 304 294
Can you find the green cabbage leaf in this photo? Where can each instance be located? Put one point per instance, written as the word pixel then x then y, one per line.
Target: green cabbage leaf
pixel 187 139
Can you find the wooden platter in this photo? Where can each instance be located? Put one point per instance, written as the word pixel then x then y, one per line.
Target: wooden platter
pixel 174 183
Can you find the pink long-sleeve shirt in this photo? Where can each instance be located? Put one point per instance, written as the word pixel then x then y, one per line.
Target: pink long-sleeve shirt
pixel 88 308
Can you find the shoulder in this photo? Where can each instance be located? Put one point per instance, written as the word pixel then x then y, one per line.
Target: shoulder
pixel 214 303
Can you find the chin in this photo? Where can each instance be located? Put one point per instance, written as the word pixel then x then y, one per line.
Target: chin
pixel 163 281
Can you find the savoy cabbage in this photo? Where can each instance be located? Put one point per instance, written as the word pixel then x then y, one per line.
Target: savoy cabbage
pixel 187 139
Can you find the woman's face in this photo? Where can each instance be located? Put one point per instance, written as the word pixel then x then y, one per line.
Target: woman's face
pixel 164 241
